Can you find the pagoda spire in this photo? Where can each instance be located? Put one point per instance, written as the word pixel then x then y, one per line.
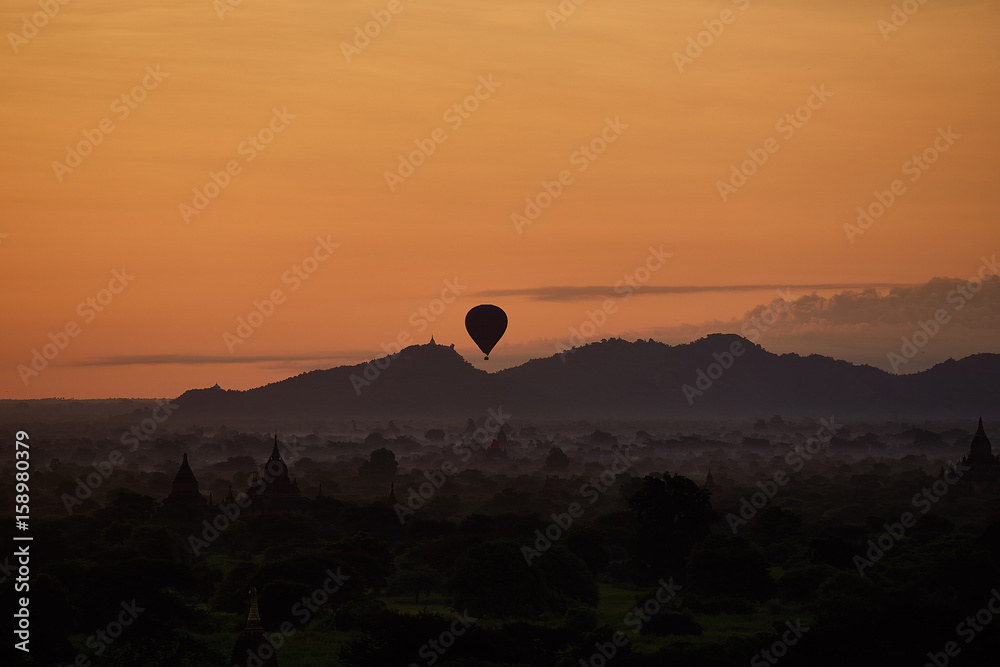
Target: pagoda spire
pixel 185 487
pixel 253 618
pixel 981 449
pixel 184 473
pixel 253 648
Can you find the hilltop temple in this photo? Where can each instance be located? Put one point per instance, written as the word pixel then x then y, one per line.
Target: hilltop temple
pixel 984 468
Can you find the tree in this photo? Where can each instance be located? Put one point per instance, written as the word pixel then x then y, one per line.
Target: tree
pixel 724 566
pixel 589 546
pixel 381 463
pixel 774 524
pixel 556 460
pixel 415 581
pixel 142 506
pixel 434 435
pixel 493 579
pixel 673 514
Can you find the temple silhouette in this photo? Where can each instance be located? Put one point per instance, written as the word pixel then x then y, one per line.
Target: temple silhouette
pixel 274 490
pixel 252 648
pixel 983 475
pixel 710 484
pixel 185 501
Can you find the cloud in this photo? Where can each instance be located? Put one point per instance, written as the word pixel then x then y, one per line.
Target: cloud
pixel 899 306
pixel 864 326
pixel 859 323
pixel 198 359
pixel 576 293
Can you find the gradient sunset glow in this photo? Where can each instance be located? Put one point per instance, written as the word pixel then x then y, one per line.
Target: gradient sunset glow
pixel 296 125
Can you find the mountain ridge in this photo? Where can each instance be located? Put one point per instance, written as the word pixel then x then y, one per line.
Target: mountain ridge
pixel 615 378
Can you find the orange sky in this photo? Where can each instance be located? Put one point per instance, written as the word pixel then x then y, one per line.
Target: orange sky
pixel 323 175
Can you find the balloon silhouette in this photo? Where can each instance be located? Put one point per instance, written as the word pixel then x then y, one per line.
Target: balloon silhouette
pixel 486 325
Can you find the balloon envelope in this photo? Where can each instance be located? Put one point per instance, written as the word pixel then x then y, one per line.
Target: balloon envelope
pixel 486 324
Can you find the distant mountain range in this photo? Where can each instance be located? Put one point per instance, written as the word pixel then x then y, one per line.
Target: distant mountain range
pixel 618 379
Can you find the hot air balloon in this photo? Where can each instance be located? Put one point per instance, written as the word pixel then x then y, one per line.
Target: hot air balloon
pixel 486 324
